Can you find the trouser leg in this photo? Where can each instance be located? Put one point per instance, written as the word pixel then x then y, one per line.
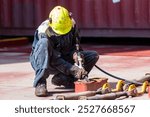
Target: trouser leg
pixel 90 59
pixel 40 61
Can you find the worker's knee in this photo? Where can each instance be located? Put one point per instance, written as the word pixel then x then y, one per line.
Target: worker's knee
pixel 96 55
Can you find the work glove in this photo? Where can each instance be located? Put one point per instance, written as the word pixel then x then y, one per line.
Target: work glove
pixel 77 72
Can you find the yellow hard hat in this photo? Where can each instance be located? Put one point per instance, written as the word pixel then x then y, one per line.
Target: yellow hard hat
pixel 60 20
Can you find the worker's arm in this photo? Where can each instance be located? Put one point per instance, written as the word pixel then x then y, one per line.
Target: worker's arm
pixel 61 65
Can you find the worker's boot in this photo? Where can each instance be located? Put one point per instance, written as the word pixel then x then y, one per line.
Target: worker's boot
pixel 66 81
pixel 41 89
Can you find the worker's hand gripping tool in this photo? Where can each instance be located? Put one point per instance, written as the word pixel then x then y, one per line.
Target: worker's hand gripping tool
pixel 80 63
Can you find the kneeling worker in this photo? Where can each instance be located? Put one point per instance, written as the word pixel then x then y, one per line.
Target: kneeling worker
pixel 54 52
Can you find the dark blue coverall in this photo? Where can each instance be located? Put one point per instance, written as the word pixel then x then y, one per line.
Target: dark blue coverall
pixel 52 54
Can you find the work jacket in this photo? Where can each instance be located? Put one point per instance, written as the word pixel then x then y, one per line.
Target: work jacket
pixel 60 48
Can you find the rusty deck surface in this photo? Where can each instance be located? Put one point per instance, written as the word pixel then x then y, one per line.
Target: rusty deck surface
pixel 17 75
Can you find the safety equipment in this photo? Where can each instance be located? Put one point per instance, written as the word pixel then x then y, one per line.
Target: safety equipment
pixel 78 72
pixel 60 20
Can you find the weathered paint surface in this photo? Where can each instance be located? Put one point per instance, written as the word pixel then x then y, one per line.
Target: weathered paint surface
pixel 94 17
